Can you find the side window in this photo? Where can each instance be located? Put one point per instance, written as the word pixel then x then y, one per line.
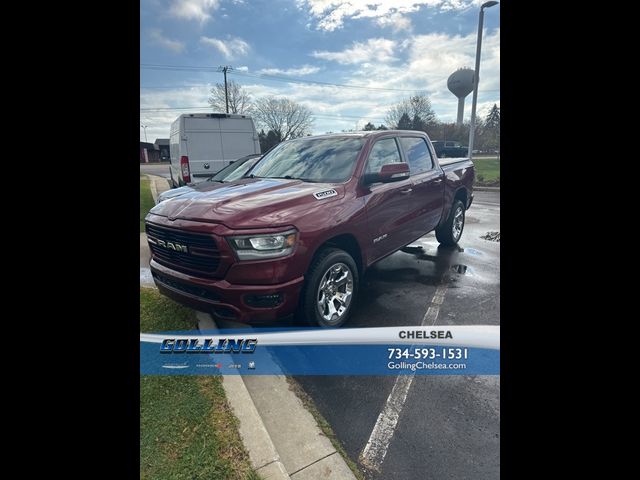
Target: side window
pixel 418 154
pixel 384 151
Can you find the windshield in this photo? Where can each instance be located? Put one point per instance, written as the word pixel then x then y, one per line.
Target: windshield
pixel 234 171
pixel 326 160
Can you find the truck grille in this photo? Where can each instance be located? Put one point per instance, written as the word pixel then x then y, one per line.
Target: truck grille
pixel 202 256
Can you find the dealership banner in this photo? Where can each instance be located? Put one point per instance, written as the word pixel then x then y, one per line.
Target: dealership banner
pixel 433 350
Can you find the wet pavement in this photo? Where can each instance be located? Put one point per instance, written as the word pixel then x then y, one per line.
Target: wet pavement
pixel 449 426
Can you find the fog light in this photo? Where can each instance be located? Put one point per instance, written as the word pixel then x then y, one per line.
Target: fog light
pixel 263 301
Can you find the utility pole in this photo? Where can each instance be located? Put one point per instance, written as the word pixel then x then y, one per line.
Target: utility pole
pixel 145 132
pixel 476 80
pixel 226 91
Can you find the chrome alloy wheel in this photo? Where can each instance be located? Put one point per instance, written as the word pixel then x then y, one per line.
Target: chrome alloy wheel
pixel 335 292
pixel 458 223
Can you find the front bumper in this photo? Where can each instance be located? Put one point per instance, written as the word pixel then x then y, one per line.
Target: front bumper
pixel 225 300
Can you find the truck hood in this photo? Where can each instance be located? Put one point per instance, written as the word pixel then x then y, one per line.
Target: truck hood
pixel 251 203
pixel 176 192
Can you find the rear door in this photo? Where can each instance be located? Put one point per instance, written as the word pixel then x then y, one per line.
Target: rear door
pixel 238 138
pixel 389 206
pixel 204 147
pixel 428 184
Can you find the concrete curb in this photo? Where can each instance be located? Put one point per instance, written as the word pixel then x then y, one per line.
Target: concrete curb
pixel 276 427
pixel 152 187
pixel 486 189
pixel 157 185
pixel 254 434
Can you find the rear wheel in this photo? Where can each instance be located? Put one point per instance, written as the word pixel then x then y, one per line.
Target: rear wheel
pixel 331 289
pixel 450 231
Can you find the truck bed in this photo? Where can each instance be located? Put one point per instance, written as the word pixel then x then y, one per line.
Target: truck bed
pixel 448 161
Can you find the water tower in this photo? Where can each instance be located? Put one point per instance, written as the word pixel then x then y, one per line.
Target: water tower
pixel 460 83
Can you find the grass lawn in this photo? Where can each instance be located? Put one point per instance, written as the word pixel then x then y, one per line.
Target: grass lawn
pixel 187 428
pixel 487 171
pixel 146 200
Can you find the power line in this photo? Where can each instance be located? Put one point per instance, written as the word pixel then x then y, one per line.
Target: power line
pixel 208 85
pixel 326 84
pixel 277 78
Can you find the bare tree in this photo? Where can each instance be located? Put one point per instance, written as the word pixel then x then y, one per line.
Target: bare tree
pixel 285 117
pixel 239 99
pixel 417 107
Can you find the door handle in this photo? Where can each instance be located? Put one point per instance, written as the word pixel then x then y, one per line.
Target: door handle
pixel 436 182
pixel 406 190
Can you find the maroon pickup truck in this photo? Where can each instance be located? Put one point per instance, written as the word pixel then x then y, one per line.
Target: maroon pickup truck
pixel 297 234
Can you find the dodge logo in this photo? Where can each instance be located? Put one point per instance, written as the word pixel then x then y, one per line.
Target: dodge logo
pixel 170 245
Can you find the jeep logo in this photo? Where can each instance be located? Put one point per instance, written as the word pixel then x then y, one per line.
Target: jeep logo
pixel 172 246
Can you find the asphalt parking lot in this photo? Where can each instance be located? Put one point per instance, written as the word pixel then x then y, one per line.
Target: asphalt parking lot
pixel 448 426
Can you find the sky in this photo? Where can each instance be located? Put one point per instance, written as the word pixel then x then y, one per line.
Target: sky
pixel 379 52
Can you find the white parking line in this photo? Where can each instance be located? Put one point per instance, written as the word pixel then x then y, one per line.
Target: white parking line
pixel 376 448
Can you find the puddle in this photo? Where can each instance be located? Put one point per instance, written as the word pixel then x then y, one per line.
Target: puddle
pixel 474 252
pixel 462 269
pixel 414 249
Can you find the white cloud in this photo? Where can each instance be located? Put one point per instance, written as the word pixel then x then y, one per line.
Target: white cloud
pixel 199 10
pixel 230 48
pixel 330 14
pixel 396 21
pixel 374 49
pixel 304 70
pixel 156 37
pixel 243 68
pixel 430 59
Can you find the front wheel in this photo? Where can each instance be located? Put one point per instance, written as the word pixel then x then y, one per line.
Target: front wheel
pixel 450 231
pixel 331 289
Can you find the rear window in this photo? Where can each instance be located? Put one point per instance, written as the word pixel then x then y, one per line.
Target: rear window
pixel 418 154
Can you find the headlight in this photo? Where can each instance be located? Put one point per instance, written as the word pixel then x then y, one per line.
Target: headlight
pixel 257 247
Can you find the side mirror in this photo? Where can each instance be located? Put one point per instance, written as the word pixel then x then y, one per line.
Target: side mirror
pixel 391 172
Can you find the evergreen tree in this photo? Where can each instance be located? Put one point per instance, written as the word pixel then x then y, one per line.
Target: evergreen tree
pixel 405 122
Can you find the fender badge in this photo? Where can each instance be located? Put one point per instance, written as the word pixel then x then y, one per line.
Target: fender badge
pixel 325 194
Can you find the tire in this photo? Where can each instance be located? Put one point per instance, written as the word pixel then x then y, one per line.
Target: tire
pixel 330 265
pixel 450 231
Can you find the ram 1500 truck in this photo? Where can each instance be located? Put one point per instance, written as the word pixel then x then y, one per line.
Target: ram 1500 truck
pixel 296 235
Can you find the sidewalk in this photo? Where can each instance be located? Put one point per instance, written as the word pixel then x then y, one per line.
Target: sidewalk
pixel 283 439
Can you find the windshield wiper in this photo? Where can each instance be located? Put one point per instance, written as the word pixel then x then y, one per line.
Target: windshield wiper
pixel 289 177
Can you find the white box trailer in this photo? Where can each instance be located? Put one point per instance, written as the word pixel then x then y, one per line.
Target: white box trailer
pixel 203 143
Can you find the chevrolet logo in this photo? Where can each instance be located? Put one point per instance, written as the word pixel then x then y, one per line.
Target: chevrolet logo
pixel 169 245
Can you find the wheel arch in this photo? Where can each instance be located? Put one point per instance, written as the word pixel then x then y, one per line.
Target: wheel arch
pixel 346 242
